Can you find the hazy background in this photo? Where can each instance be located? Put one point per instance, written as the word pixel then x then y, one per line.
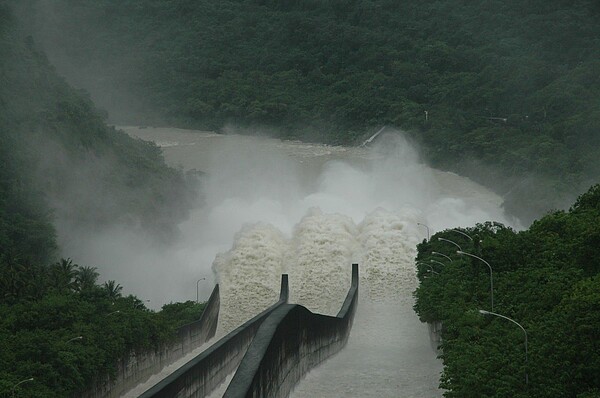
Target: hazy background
pixel 270 207
pixel 504 95
pixel 261 192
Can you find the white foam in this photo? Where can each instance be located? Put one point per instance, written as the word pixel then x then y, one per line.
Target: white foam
pixel 319 265
pixel 249 274
pixel 388 241
pixel 273 206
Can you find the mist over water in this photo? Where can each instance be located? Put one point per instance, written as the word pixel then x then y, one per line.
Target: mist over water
pixel 271 207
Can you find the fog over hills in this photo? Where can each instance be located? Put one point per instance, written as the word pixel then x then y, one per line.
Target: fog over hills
pixel 504 92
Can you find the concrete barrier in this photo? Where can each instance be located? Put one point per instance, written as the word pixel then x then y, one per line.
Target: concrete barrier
pixel 203 374
pixel 138 367
pixel 194 334
pixel 435 335
pixel 290 342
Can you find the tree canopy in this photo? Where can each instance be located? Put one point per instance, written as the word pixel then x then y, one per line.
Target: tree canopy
pixel 546 278
pixel 504 91
pixel 58 158
pixel 60 327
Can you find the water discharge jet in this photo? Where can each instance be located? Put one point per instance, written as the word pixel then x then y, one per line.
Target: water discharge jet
pixel 273 207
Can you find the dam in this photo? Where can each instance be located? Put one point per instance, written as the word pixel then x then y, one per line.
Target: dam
pixel 309 211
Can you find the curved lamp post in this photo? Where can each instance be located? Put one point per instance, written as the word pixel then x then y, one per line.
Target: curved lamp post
pixel 114 312
pixel 484 312
pixel 428 266
pixel 22 381
pixel 426 227
pixel 437 262
pixel 442 254
pixel 74 338
pixel 491 274
pixel 432 270
pixel 197 287
pixel 462 233
pixel 449 241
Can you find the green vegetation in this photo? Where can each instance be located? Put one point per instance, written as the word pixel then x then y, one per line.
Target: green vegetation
pixel 546 278
pixel 55 143
pixel 58 159
pixel 179 314
pixel 60 327
pixel 507 85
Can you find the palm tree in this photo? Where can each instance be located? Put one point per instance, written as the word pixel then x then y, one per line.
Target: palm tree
pixel 86 278
pixel 63 274
pixel 113 289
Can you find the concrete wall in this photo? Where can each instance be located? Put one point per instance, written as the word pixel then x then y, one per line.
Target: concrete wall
pixel 138 367
pixel 435 335
pixel 208 370
pixel 290 342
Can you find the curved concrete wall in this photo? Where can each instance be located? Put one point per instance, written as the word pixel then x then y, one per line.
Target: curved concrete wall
pixel 208 370
pixel 290 342
pixel 435 335
pixel 199 332
pixel 138 367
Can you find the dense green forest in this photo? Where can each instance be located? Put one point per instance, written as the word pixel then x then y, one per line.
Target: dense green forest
pixel 60 327
pixel 59 150
pixel 59 160
pixel 546 278
pixel 506 92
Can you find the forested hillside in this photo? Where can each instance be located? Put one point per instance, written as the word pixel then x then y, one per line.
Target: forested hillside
pixel 545 278
pixel 65 330
pixel 60 151
pixel 59 162
pixel 504 91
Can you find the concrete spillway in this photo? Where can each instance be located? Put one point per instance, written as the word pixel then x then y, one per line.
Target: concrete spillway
pixel 272 207
pixel 388 355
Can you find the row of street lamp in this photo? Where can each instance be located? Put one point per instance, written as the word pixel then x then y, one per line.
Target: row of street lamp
pixel 483 312
pixel 453 229
pixel 31 378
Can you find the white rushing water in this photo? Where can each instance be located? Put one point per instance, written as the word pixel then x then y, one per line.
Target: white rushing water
pixel 273 207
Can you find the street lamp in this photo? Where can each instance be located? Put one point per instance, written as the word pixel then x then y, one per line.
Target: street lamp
pixel 432 270
pixel 442 254
pixel 484 312
pixel 428 266
pixel 491 275
pixel 423 225
pixel 462 233
pixel 197 287
pixel 22 381
pixel 437 262
pixel 114 312
pixel 75 338
pixel 449 241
